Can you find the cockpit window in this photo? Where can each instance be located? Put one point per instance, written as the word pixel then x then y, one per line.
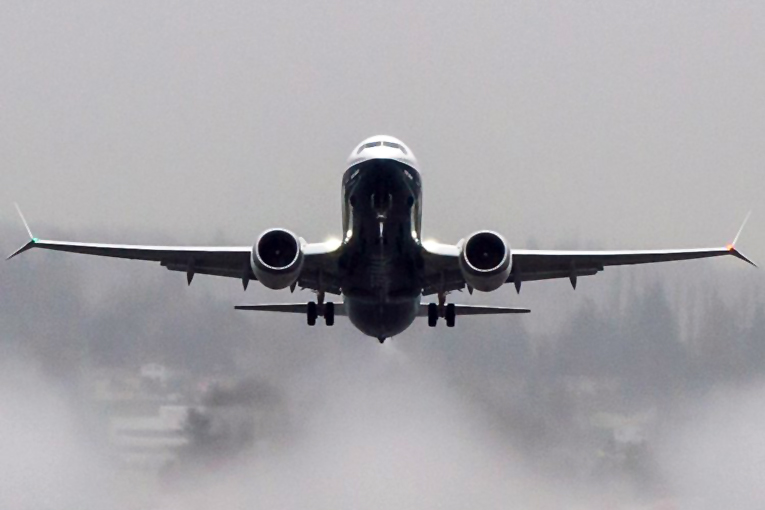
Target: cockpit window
pixel 395 146
pixel 392 145
pixel 368 145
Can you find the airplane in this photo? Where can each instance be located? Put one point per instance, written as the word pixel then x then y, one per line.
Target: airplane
pixel 381 267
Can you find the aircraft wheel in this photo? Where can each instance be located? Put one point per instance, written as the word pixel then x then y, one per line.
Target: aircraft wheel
pixel 432 315
pixel 329 313
pixel 312 313
pixel 450 316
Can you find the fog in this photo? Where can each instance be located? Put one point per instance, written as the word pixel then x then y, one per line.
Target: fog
pixel 488 414
pixel 588 125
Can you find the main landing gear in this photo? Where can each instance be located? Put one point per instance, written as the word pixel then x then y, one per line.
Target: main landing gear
pixel 314 310
pixel 435 311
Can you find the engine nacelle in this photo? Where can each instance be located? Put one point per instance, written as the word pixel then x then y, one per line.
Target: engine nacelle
pixel 277 258
pixel 485 260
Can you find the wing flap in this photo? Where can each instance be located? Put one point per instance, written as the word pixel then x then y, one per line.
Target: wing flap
pixel 210 269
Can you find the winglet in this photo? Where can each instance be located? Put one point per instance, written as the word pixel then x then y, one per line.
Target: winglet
pixel 740 255
pixel 741 228
pixel 24 220
pixel 32 238
pixel 732 246
pixel 21 250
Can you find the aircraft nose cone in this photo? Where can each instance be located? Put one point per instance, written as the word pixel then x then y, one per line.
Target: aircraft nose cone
pixel 382 146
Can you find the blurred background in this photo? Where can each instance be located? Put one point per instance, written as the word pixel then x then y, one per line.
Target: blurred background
pixel 595 125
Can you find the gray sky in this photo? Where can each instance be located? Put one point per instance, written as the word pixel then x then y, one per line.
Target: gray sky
pixel 582 124
pixel 613 124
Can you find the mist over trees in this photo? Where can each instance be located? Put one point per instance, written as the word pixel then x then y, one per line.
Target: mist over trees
pixel 623 348
pixel 633 337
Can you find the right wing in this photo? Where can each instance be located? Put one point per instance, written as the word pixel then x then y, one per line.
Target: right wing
pixel 442 272
pixel 529 265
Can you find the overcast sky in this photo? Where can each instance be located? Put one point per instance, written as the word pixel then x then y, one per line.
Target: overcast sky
pixel 559 124
pixel 611 124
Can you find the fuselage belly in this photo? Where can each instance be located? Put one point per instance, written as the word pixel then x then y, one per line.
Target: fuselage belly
pixel 381 218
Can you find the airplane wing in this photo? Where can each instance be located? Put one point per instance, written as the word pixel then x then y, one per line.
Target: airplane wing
pixel 442 272
pixel 530 265
pixel 230 261
pixel 319 269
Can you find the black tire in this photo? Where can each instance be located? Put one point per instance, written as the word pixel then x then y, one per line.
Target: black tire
pixel 329 314
pixel 432 315
pixel 451 315
pixel 312 313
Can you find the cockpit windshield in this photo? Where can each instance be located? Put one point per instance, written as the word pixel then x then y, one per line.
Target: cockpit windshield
pixel 392 145
pixel 368 145
pixel 395 146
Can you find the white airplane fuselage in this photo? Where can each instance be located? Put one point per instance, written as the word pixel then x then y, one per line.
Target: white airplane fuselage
pixel 382 211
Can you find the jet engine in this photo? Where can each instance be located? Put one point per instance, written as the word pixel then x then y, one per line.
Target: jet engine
pixel 277 258
pixel 485 260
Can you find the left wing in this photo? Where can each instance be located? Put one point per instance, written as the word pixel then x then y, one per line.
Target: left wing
pixel 319 268
pixel 231 261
